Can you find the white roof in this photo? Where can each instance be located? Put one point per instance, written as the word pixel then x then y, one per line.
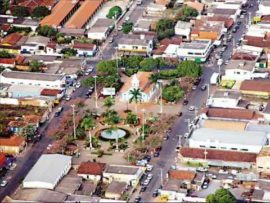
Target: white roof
pixel 171 49
pixel 48 170
pixel 183 25
pixel 231 137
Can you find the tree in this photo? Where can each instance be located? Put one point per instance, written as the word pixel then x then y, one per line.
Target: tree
pixel 40 12
pixel 111 118
pixel 127 27
pixel 132 119
pixel 5 54
pixel 136 96
pixel 28 132
pixel 165 28
pixel 88 123
pixel 221 196
pixel 131 61
pixel 68 52
pixel 107 68
pixel 47 31
pixel 108 102
pixel 35 66
pixel 172 93
pixel 20 11
pixel 189 68
pixel 114 12
pixel 148 64
pixel 4 6
pixel 186 13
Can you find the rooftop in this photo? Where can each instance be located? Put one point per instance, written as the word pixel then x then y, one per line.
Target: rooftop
pixel 37 40
pixel 183 25
pixel 196 44
pixel 241 64
pixel 11 39
pixel 92 168
pixel 119 169
pixel 86 46
pixel 15 141
pixel 264 152
pixel 69 184
pixel 135 39
pixel 116 187
pixel 229 136
pixel 223 155
pixel 181 175
pixel 50 92
pixel 255 85
pixel 224 125
pixel 226 94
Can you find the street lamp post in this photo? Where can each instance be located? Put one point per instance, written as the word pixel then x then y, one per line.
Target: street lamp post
pixel 96 91
pixel 73 117
pixel 208 90
pixel 161 90
pixel 143 110
pixel 219 67
pixel 90 140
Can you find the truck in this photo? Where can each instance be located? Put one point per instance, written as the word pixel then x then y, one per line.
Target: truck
pixel 215 79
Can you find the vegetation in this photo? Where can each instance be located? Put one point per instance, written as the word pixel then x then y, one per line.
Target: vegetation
pixel 35 66
pixel 114 12
pixel 28 132
pixel 136 96
pixel 221 196
pixel 40 12
pixel 127 27
pixel 61 39
pixel 132 119
pixel 165 28
pixel 68 52
pixel 172 93
pixel 187 13
pixel 88 123
pixel 5 54
pixel 2 68
pixel 108 102
pixel 23 30
pixel 47 31
pixel 149 64
pixel 111 117
pixel 4 6
pixel 228 84
pixel 20 11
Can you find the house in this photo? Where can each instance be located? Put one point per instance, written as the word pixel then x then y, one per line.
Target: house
pixel 224 99
pixel 142 25
pixel 101 29
pixel 225 12
pixel 197 50
pixel 84 14
pixel 13 145
pixel 7 62
pixel 183 29
pixel 128 174
pixel 207 138
pixel 155 10
pixel 52 93
pixel 167 47
pixel 186 177
pixel 91 170
pixel 115 190
pixel 50 81
pixel 85 49
pixel 35 45
pixel 256 88
pixel 135 44
pixel 196 5
pixel 12 43
pixel 263 161
pixel 32 4
pixel 48 171
pixel 17 126
pixel 139 80
pixel 60 14
pixel 219 158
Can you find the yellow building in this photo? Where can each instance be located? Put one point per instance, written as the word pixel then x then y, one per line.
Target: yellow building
pixel 263 160
pixel 12 145
pixel 256 88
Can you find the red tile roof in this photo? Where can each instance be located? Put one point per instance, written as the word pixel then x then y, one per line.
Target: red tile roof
pixel 87 46
pixel 5 27
pixel 15 141
pixel 181 175
pixel 243 56
pixel 258 41
pixel 223 155
pixel 17 124
pixel 12 39
pixel 91 168
pixel 20 59
pixel 256 85
pixel 31 118
pixel 50 92
pixel 2 159
pixel 10 61
pixel 31 4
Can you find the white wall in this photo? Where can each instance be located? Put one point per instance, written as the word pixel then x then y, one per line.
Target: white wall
pixel 239 74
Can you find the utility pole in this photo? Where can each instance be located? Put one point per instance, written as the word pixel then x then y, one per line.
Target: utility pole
pixel 90 140
pixel 96 91
pixel 161 90
pixel 161 177
pixel 143 110
pixel 73 116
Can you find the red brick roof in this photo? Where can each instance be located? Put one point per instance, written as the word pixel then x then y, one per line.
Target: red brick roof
pixel 257 41
pixel 20 59
pixel 181 175
pixel 50 92
pixel 91 168
pixel 15 141
pixel 31 4
pixel 256 85
pixel 243 56
pixel 12 39
pixel 88 46
pixel 223 155
pixel 10 61
pixel 265 18
pixel 31 118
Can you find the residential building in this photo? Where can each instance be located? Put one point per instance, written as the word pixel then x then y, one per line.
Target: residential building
pixel 219 158
pixel 140 81
pixel 50 81
pixel 13 145
pixel 263 160
pixel 12 43
pixel 142 25
pixel 115 190
pixel 32 4
pixel 197 50
pixel 186 177
pixel 101 29
pixel 84 14
pixel 60 13
pixel 155 10
pixel 173 191
pixel 224 99
pixel 35 45
pixel 128 174
pixel 256 88
pixel 135 44
pixel 17 125
pixel 183 29
pixel 85 49
pixel 196 5
pixel 48 171
pixel 7 62
pixel 91 170
pixel 207 138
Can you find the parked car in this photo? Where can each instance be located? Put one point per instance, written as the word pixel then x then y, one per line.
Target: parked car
pixel 58 112
pixel 3 183
pixel 194 87
pixel 205 185
pixel 67 98
pixel 201 169
pixel 146 182
pixel 203 87
pixel 143 188
pixel 111 40
pixel 185 101
pixel 155 193
pixel 13 166
pixel 179 114
pixel 156 154
pixel 138 199
pixel 186 135
pixel 191 108
pixel 149 176
pixel 149 167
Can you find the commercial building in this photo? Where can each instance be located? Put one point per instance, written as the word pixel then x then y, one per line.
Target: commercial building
pixel 263 160
pixel 256 88
pixel 224 99
pixel 224 125
pixel 197 50
pixel 228 140
pixel 84 14
pixel 100 29
pixel 50 81
pixel 183 29
pixel 91 170
pixel 48 171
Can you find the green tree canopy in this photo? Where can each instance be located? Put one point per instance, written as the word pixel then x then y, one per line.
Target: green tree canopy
pixel 149 64
pixel 189 68
pixel 40 12
pixel 47 31
pixel 5 54
pixel 88 123
pixel 186 13
pixel 107 68
pixel 221 196
pixel 131 61
pixel 114 11
pixel 132 119
pixel 172 93
pixel 28 132
pixel 111 117
pixel 68 52
pixel 136 96
pixel 108 102
pixel 20 11
pixel 165 28
pixel 35 66
pixel 127 27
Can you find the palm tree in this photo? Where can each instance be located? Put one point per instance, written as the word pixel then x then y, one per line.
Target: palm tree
pixel 108 102
pixel 88 123
pixel 136 96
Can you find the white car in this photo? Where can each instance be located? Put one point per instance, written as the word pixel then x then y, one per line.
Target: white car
pixel 149 176
pixel 67 98
pixel 149 167
pixel 146 182
pixel 191 108
pixel 201 169
pixel 78 85
pixel 13 166
pixel 186 135
pixel 3 183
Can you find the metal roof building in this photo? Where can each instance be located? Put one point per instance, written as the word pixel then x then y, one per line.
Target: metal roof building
pixel 48 171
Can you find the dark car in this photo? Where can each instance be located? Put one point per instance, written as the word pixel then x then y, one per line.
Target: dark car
pixel 203 88
pixel 239 23
pixel 185 102
pixel 179 114
pixel 143 189
pixel 197 81
pixel 147 157
pixel 138 199
pixel 155 193
pixel 158 149
pixel 156 154
pixel 57 114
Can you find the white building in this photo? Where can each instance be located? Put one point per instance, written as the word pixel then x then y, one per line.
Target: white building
pixel 128 174
pixel 183 29
pixel 142 25
pixel 197 50
pixel 228 140
pixel 101 29
pixel 35 45
pixel 224 99
pixel 50 81
pixel 48 171
pixel 138 81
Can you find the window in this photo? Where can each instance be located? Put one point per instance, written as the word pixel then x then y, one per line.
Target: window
pixel 134 47
pixel 223 147
pixel 202 146
pixel 144 48
pixel 234 148
pixel 190 53
pixel 244 150
pixel 260 167
pixel 213 147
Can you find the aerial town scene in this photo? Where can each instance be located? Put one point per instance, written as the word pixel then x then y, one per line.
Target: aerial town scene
pixel 135 101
